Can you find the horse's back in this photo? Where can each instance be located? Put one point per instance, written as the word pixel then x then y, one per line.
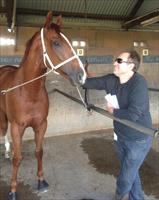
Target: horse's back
pixel 6 74
pixel 7 69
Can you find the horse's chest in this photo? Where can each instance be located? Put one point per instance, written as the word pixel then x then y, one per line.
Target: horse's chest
pixel 36 109
pixel 29 111
pixel 31 116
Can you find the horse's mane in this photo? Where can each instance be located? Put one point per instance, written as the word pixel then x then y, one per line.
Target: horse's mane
pixel 28 46
pixel 55 27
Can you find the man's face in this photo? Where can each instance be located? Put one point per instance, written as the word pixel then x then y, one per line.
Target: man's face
pixel 122 65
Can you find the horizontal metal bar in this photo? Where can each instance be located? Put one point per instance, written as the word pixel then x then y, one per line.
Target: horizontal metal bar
pixel 153 89
pixel 138 127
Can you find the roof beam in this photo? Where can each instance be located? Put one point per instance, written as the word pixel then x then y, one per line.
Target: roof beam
pixel 141 19
pixel 135 9
pixel 25 11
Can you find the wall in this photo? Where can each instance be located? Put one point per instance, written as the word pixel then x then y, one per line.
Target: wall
pixel 67 117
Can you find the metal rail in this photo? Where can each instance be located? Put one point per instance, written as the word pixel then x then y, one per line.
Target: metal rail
pixel 153 89
pixel 138 127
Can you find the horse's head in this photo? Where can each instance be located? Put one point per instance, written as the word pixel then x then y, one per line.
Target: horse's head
pixel 59 54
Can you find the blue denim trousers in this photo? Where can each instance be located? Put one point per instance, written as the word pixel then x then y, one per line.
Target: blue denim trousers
pixel 131 156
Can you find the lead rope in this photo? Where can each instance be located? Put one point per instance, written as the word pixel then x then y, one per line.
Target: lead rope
pixel 84 103
pixel 87 106
pixel 27 82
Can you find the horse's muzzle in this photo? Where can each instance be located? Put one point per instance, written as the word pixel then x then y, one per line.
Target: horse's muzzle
pixel 77 79
pixel 80 78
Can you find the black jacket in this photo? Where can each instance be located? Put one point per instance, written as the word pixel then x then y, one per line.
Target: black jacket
pixel 133 101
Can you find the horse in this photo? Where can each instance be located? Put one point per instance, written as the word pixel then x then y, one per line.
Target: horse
pixel 24 99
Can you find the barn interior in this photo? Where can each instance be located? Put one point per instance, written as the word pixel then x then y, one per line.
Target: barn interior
pixel 79 157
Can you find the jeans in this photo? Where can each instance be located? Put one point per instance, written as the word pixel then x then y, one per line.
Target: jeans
pixel 131 156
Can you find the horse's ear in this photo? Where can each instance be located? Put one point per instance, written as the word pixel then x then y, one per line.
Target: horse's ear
pixel 59 20
pixel 48 19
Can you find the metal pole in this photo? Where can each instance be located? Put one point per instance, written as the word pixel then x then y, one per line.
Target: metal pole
pixel 138 127
pixel 153 89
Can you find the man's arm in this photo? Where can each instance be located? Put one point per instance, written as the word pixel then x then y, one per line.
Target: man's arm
pixel 99 83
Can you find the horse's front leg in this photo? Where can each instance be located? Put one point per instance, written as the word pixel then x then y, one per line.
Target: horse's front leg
pixel 16 134
pixel 39 137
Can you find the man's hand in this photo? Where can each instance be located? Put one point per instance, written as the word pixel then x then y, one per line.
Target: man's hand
pixel 109 108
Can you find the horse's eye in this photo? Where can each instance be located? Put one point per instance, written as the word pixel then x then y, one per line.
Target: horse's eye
pixel 56 44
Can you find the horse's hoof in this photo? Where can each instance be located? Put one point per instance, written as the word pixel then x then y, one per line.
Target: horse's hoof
pixel 42 186
pixel 12 196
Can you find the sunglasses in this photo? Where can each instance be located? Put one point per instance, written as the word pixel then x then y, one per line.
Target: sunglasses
pixel 120 61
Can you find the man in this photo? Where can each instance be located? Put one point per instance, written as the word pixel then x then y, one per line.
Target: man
pixel 130 90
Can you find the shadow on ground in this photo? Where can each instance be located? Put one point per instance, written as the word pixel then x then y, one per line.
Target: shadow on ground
pixel 102 156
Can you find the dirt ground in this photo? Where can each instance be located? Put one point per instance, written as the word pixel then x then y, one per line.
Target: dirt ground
pixel 81 166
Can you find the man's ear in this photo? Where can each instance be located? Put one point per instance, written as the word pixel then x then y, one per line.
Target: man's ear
pixel 132 65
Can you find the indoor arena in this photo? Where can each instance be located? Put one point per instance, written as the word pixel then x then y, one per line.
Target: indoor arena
pixel 79 100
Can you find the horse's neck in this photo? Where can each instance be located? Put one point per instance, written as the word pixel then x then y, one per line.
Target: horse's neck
pixel 32 67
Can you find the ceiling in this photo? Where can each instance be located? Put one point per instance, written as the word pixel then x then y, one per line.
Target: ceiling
pixel 107 14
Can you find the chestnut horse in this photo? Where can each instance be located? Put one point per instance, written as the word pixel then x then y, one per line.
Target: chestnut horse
pixel 24 102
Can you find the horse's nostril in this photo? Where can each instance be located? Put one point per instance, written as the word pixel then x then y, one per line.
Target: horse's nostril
pixel 80 77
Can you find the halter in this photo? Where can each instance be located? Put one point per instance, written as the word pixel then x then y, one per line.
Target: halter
pixel 47 58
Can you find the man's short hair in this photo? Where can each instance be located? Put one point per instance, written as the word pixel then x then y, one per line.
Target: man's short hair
pixel 135 58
